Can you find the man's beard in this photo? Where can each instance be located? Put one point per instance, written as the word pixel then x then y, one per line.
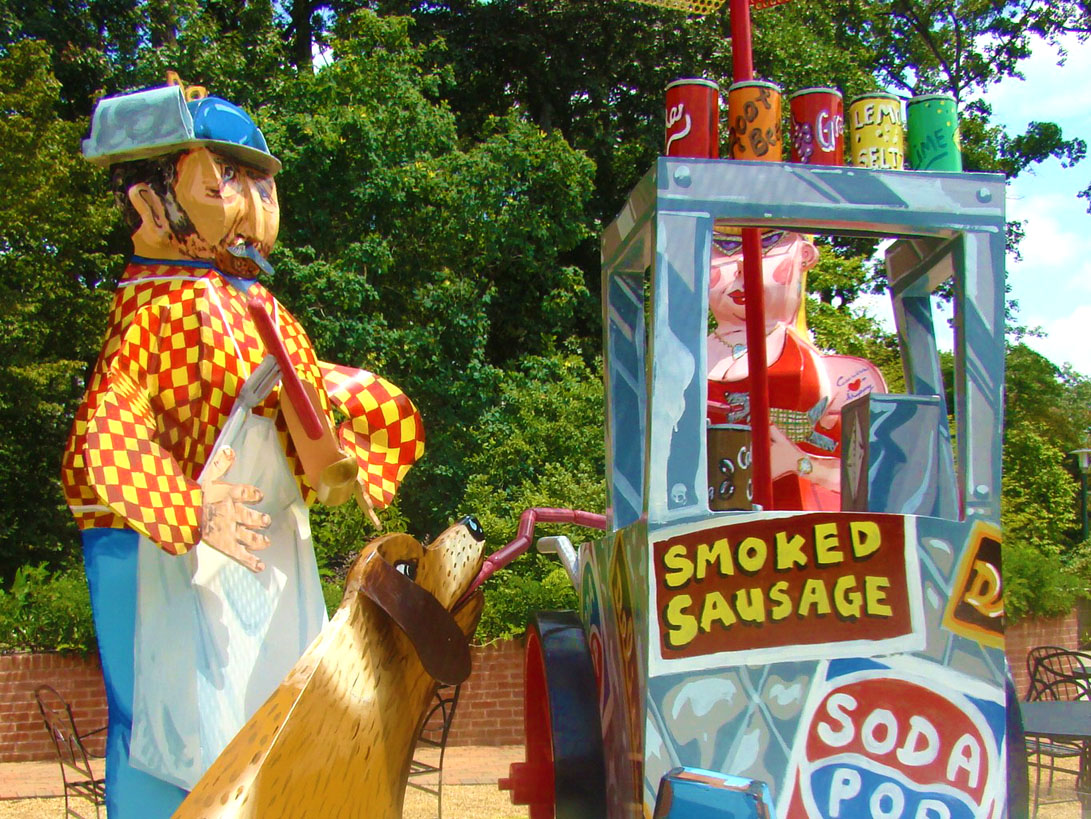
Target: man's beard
pixel 185 237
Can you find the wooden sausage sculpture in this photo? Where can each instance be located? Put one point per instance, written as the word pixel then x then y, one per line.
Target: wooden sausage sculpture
pixel 336 738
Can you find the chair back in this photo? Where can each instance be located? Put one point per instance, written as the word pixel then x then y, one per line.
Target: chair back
pixel 437 722
pixel 1059 674
pixel 1034 656
pixel 76 772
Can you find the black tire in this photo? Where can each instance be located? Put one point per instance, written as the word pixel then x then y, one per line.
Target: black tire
pixel 579 768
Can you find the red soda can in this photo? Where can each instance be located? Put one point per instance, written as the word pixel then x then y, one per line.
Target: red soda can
pixel 693 119
pixel 818 126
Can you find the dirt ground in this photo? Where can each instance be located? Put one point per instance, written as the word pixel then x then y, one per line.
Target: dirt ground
pixel 476 801
pixel 479 802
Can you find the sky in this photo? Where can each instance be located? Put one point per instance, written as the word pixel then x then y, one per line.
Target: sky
pixel 1052 283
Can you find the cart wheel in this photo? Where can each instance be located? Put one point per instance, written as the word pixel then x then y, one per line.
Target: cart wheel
pixel 564 775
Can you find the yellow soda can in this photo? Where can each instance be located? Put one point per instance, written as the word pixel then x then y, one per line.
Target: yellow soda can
pixel 876 132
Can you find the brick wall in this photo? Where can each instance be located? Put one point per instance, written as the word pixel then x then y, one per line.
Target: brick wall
pixel 490 707
pixel 1034 631
pixel 490 710
pixel 78 680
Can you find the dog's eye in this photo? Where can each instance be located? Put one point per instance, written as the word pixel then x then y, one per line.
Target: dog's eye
pixel 407 567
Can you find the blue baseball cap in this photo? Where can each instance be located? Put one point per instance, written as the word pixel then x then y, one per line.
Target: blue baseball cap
pixel 159 121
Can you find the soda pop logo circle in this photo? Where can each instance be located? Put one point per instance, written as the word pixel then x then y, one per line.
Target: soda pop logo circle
pixel 890 748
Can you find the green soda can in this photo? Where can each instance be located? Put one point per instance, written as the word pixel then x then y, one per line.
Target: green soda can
pixel 933 133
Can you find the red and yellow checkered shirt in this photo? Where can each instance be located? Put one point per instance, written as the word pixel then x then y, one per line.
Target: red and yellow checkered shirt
pixel 179 347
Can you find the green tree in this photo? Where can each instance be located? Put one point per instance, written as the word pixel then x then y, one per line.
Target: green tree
pixel 428 260
pixel 540 444
pixel 445 184
pixel 56 277
pixel 1048 413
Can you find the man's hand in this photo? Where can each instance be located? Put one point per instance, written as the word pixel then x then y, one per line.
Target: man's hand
pixel 227 523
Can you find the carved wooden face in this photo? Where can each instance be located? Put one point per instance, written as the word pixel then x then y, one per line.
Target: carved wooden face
pixel 227 202
pixel 216 202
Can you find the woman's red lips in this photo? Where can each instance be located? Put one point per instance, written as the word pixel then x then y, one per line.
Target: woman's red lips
pixel 737 296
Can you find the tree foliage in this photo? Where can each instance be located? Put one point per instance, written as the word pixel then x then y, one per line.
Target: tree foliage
pixel 447 174
pixel 1048 414
pixel 56 278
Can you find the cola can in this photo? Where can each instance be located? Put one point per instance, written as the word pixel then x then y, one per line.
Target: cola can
pixel 693 119
pixel 932 127
pixel 753 110
pixel 876 132
pixel 818 126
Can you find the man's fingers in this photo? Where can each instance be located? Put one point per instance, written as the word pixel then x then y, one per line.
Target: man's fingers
pixel 251 518
pixel 365 504
pixel 248 561
pixel 245 493
pixel 251 539
pixel 220 463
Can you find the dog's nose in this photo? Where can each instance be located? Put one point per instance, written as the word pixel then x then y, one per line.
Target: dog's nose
pixel 472 523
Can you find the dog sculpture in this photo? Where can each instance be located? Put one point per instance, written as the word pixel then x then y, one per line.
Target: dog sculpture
pixel 336 738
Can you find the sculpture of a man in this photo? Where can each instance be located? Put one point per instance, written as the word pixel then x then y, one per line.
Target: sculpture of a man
pixel 188 484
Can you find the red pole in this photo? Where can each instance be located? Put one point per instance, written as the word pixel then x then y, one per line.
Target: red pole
pixel 754 289
pixel 742 60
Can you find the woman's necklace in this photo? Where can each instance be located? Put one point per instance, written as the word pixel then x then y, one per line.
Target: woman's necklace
pixel 737 350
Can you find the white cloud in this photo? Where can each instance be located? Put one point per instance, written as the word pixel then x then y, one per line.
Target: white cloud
pixel 1050 92
pixel 1052 282
pixel 1055 271
pixel 1068 340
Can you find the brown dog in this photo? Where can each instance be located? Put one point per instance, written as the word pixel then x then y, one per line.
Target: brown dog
pixel 336 738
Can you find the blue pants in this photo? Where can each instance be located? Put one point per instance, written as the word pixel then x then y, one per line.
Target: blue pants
pixel 109 557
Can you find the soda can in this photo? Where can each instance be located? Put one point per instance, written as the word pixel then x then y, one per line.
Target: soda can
pixel 693 119
pixel 753 111
pixel 877 132
pixel 818 126
pixel 932 126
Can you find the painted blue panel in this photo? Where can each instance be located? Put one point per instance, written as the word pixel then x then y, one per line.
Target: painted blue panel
pixel 693 793
pixel 907 456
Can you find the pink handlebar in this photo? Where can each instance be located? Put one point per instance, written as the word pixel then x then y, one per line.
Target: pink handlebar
pixel 293 387
pixel 537 514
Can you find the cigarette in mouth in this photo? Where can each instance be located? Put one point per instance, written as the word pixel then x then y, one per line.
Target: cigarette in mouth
pixel 242 250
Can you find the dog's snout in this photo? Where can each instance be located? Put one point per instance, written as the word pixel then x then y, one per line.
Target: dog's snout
pixel 474 527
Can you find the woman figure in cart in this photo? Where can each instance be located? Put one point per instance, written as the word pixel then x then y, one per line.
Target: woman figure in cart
pixel 807 388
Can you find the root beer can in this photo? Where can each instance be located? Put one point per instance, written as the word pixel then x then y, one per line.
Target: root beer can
pixel 932 126
pixel 876 132
pixel 693 119
pixel 818 126
pixel 753 110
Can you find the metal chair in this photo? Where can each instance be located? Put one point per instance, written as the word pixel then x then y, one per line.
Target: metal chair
pixel 1056 674
pixel 75 760
pixel 1070 669
pixel 433 734
pixel 1034 656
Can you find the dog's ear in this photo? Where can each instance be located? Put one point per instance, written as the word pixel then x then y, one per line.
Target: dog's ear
pixel 443 649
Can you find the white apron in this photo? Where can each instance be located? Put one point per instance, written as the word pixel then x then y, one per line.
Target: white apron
pixel 214 640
